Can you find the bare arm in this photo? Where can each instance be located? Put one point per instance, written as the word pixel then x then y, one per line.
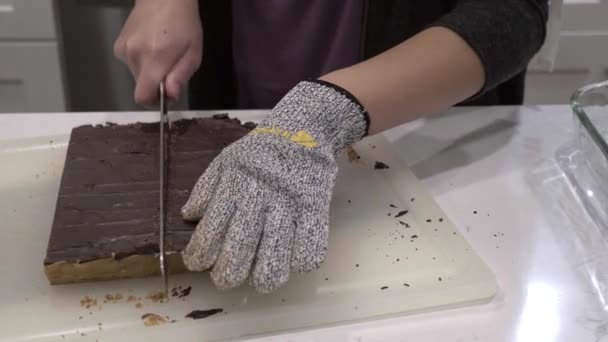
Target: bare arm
pixel 428 73
pixel 480 44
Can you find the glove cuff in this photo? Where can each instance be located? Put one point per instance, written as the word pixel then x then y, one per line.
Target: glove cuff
pixel 326 114
pixel 351 97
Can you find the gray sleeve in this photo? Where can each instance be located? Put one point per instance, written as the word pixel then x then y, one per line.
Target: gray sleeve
pixel 505 34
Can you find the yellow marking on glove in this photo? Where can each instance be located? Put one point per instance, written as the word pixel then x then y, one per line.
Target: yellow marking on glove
pixel 301 138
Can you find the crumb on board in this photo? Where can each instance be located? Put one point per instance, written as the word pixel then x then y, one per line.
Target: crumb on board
pixel 441 219
pixel 181 292
pixel 356 265
pixel 406 284
pixel 384 288
pixel 157 296
pixel 112 298
pixel 475 212
pixel 139 305
pixel 401 213
pixel 392 205
pixel 440 279
pixel 353 156
pixel 200 314
pixel 151 319
pixel 88 302
pixel 414 236
pixel 380 166
pixel 131 299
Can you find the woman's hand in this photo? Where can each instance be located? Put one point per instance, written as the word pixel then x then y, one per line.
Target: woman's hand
pixel 262 206
pixel 161 39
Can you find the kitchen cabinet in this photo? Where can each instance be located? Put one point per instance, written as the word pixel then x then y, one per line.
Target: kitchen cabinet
pixel 30 68
pixel 582 54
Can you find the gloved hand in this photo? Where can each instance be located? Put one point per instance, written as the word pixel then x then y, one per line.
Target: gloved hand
pixel 265 199
pixel 161 40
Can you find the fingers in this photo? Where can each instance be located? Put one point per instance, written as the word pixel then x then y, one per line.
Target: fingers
pixel 273 258
pixel 205 244
pixel 181 72
pixel 234 262
pixel 310 240
pixel 149 75
pixel 202 192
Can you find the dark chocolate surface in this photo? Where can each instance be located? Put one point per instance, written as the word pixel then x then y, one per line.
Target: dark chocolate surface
pixel 108 201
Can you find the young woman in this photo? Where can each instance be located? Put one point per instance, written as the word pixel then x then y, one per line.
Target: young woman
pixel 333 72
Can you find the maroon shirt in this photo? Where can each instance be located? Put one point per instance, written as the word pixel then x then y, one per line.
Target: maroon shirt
pixel 277 43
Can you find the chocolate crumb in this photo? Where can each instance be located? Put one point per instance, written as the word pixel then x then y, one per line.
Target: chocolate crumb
pixel 138 305
pixel 401 213
pixel 412 199
pixel 384 288
pixel 392 206
pixel 414 236
pixel 406 284
pixel 326 278
pixel 185 292
pixel 200 314
pixel 356 265
pixel 475 212
pixel 440 219
pixel 429 220
pixel 440 279
pixel 380 166
pixel 220 116
pixel 348 201
pixel 80 317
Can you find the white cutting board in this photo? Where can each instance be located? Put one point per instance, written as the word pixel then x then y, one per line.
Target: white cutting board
pixel 370 259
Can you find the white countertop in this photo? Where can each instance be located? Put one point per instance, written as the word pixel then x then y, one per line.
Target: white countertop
pixel 495 162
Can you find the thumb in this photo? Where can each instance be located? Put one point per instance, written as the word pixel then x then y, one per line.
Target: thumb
pixel 181 73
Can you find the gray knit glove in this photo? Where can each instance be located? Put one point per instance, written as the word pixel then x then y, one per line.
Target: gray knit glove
pixel 263 203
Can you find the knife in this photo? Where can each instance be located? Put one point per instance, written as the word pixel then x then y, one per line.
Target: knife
pixel 164 119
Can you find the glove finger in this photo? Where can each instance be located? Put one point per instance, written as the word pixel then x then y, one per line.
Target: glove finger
pixel 206 242
pixel 202 192
pixel 310 240
pixel 273 256
pixel 234 262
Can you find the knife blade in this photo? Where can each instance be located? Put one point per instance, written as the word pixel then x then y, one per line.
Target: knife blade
pixel 163 120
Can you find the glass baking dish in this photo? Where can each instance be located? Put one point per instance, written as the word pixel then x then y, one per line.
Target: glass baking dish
pixel 590 107
pixel 585 165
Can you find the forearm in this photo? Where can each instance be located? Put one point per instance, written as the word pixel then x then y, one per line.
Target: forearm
pixel 474 48
pixel 425 74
